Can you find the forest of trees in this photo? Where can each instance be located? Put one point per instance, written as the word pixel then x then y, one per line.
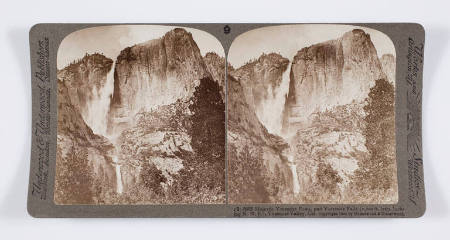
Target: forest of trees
pixel 75 181
pixel 377 173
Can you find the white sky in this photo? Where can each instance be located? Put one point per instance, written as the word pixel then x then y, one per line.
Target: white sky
pixel 288 39
pixel 284 39
pixel 110 40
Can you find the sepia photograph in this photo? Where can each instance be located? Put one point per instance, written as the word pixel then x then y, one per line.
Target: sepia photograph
pixel 141 116
pixel 311 116
pixel 225 120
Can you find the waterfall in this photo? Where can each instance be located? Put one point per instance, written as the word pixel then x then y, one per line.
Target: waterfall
pixel 271 114
pixel 97 111
pixel 293 166
pixel 119 184
pixel 103 110
pixel 295 182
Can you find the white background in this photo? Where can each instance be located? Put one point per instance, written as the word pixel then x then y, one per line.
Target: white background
pixel 15 128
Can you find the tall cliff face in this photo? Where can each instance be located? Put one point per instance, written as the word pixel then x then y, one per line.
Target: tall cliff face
pixel 85 81
pixel 258 172
pixel 388 65
pixel 332 73
pixel 265 84
pixel 156 72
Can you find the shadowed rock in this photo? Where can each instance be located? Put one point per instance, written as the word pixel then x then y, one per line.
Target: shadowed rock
pixel 332 73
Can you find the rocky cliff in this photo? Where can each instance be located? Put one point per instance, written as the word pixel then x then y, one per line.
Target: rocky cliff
pixel 332 73
pixel 167 117
pixel 216 67
pixel 156 72
pixel 328 152
pixel 262 82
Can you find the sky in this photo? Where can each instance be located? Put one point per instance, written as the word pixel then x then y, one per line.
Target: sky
pixel 285 39
pixel 288 39
pixel 110 40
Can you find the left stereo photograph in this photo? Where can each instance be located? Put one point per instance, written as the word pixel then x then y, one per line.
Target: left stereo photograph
pixel 141 117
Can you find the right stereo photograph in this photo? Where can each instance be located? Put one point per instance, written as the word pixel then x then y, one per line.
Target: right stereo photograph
pixel 311 116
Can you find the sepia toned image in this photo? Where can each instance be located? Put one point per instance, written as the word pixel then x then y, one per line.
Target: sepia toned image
pixel 311 116
pixel 141 116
